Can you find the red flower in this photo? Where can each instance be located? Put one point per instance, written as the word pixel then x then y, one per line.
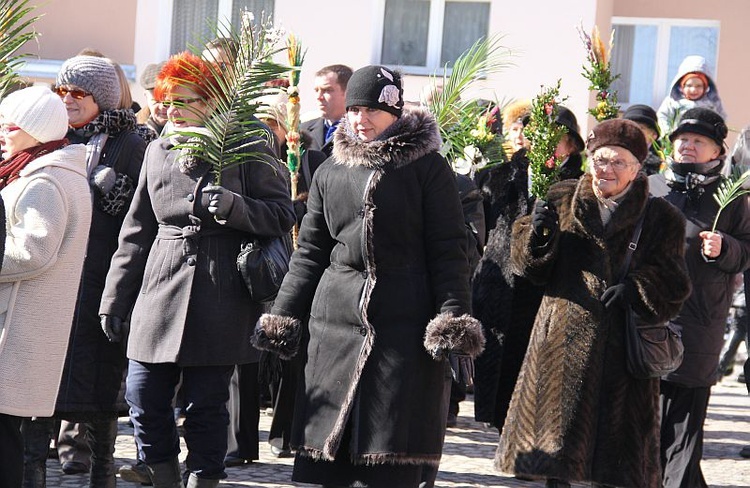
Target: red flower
pixel 551 163
pixel 548 108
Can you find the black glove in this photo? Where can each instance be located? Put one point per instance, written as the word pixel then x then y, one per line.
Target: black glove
pixel 220 200
pixel 543 222
pixel 113 327
pixel 462 367
pixel 615 295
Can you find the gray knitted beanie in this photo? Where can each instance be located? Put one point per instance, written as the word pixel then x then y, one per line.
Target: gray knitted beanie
pixel 95 75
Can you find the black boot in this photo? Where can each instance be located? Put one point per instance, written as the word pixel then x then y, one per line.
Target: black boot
pixel 37 434
pixel 101 436
pixel 554 483
pixel 166 474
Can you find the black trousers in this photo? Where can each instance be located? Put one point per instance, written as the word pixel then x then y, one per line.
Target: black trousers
pixel 11 451
pixel 244 413
pixel 683 412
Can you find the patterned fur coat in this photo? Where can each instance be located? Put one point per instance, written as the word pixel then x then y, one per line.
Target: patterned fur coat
pixel 576 414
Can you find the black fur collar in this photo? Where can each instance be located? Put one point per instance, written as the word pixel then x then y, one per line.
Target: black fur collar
pixel 407 139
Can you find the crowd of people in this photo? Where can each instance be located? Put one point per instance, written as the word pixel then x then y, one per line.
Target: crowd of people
pixel 408 283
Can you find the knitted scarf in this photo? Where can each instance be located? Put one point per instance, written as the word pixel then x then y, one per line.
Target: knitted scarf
pixel 11 167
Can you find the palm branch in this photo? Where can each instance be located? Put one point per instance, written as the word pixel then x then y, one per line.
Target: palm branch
pixel 14 33
pixel 456 115
pixel 233 135
pixel 730 189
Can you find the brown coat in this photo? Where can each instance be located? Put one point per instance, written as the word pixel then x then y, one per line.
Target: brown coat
pixel 576 414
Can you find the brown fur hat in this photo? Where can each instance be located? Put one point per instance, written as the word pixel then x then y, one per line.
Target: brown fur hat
pixel 618 132
pixel 515 111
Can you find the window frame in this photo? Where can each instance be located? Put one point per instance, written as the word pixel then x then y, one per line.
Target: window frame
pixel 660 89
pixel 434 37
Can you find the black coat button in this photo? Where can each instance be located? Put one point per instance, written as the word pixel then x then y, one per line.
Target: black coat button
pixel 191 261
pixel 190 197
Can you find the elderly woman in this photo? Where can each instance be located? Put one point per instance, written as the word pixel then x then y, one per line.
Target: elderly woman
pixel 175 267
pixel 47 216
pixel 713 258
pixel 381 269
pixel 576 413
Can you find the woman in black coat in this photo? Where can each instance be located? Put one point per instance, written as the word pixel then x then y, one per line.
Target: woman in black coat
pixel 175 267
pixel 382 271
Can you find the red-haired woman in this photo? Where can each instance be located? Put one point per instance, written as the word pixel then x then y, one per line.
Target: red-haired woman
pixel 175 268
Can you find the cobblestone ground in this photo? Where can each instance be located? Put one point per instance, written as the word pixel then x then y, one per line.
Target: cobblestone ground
pixel 469 450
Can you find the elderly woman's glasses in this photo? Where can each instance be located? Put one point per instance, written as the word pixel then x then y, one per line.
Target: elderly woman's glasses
pixel 7 129
pixel 76 93
pixel 616 164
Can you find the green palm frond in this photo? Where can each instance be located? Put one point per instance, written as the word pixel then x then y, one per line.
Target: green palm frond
pixel 455 114
pixel 233 135
pixel 14 33
pixel 730 189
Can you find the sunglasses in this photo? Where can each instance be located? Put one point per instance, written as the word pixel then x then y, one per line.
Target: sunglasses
pixel 76 93
pixel 7 129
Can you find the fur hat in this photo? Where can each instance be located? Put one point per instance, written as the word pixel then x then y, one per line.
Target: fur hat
pixel 38 111
pixel 376 87
pixel 643 114
pixel 619 132
pixel 567 119
pixel 95 75
pixel 516 111
pixel 148 77
pixel 702 121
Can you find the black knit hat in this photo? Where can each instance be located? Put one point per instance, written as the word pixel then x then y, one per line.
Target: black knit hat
pixel 702 121
pixel 619 132
pixel 567 119
pixel 643 114
pixel 376 87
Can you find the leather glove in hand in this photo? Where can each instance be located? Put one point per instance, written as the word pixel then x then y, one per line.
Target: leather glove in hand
pixel 462 367
pixel 220 200
pixel 614 295
pixel 113 327
pixel 543 222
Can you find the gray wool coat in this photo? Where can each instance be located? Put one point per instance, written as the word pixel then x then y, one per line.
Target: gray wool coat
pixel 383 273
pixel 175 265
pixel 576 413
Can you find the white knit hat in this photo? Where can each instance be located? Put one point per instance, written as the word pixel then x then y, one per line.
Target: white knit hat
pixel 37 111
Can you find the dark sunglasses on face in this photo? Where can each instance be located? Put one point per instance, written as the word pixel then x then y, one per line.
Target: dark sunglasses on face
pixel 76 93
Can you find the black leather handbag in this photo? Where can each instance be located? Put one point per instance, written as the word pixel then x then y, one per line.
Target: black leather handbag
pixel 651 351
pixel 262 263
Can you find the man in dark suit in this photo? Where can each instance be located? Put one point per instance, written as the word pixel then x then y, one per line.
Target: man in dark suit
pixel 330 93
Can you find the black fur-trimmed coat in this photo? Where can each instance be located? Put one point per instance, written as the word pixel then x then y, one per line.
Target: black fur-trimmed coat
pixel 381 269
pixel 576 414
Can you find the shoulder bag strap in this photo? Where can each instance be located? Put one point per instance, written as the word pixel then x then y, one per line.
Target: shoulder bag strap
pixel 634 242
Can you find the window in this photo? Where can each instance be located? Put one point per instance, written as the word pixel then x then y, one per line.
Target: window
pixel 422 36
pixel 191 18
pixel 647 53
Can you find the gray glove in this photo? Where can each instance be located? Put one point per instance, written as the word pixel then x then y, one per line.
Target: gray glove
pixel 113 327
pixel 462 367
pixel 220 200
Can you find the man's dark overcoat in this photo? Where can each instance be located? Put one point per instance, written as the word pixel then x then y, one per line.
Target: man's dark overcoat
pixel 576 413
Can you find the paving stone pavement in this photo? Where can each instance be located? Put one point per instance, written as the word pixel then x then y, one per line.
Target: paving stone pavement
pixel 469 450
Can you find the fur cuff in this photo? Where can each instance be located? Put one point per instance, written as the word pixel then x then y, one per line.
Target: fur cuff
pixel 447 333
pixel 278 334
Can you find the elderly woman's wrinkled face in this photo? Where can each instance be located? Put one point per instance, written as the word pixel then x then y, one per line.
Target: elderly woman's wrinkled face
pixel 13 139
pixel 185 108
pixel 612 168
pixel 694 148
pixel 368 123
